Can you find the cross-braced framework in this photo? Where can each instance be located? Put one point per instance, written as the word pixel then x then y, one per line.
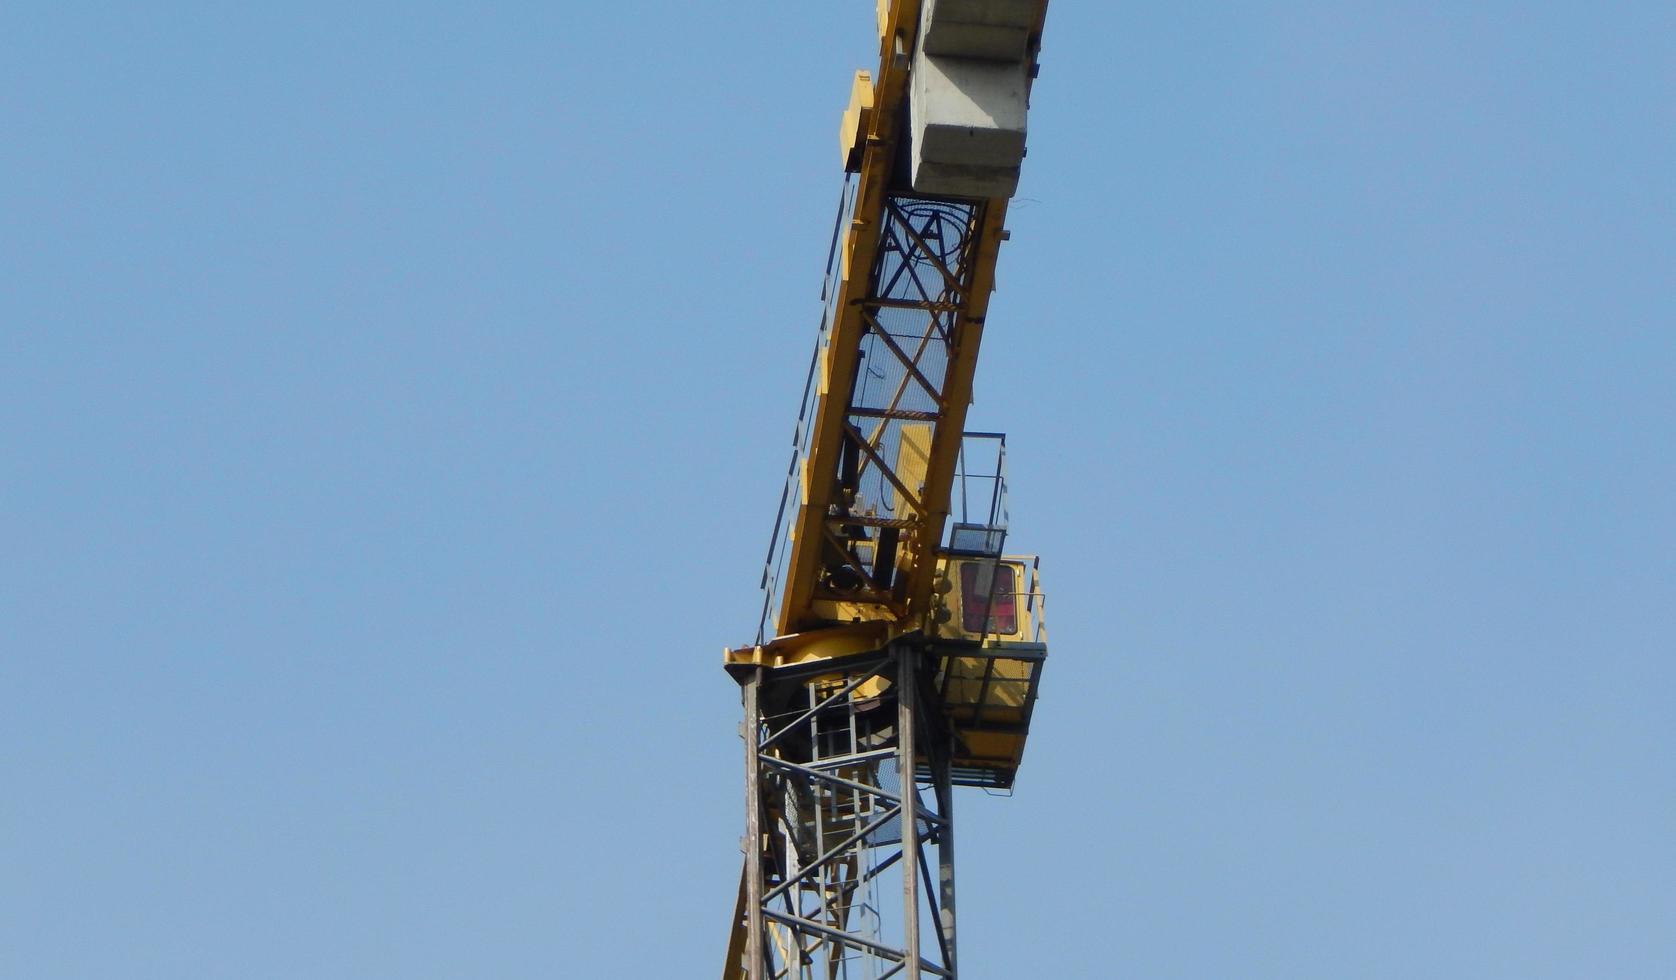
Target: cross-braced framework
pixel 910 324
pixel 846 858
pixel 913 339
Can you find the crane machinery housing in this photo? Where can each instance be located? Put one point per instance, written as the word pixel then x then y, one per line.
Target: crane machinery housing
pixel 900 647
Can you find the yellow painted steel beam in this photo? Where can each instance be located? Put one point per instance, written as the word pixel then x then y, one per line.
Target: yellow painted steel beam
pixel 733 962
pixel 898 24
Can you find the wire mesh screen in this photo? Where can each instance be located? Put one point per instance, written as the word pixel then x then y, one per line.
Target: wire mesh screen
pixel 898 394
pixel 908 326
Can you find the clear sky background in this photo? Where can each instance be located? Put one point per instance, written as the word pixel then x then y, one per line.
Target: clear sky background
pixel 394 398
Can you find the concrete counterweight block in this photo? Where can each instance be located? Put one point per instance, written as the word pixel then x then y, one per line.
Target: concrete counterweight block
pixel 968 126
pixel 996 30
pixel 967 97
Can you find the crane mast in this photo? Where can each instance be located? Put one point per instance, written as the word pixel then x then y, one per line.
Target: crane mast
pixel 900 647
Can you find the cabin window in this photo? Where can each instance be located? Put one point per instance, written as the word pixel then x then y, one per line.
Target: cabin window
pixel 988 589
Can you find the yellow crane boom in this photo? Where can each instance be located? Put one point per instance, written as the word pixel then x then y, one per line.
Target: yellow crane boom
pixel 848 437
pixel 901 650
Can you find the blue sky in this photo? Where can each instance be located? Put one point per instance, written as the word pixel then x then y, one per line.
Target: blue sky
pixel 393 401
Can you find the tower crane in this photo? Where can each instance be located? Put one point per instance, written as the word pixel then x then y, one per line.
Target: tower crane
pixel 901 645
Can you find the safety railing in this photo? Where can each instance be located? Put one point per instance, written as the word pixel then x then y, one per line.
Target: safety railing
pixel 779 545
pixel 978 498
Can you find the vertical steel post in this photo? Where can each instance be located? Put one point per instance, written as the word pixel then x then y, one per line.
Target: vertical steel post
pixel 907 703
pixel 945 853
pixel 755 968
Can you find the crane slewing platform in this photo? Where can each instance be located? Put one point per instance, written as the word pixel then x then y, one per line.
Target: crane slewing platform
pixel 901 646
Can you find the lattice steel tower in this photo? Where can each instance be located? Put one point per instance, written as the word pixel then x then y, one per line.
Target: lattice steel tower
pixel 900 647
